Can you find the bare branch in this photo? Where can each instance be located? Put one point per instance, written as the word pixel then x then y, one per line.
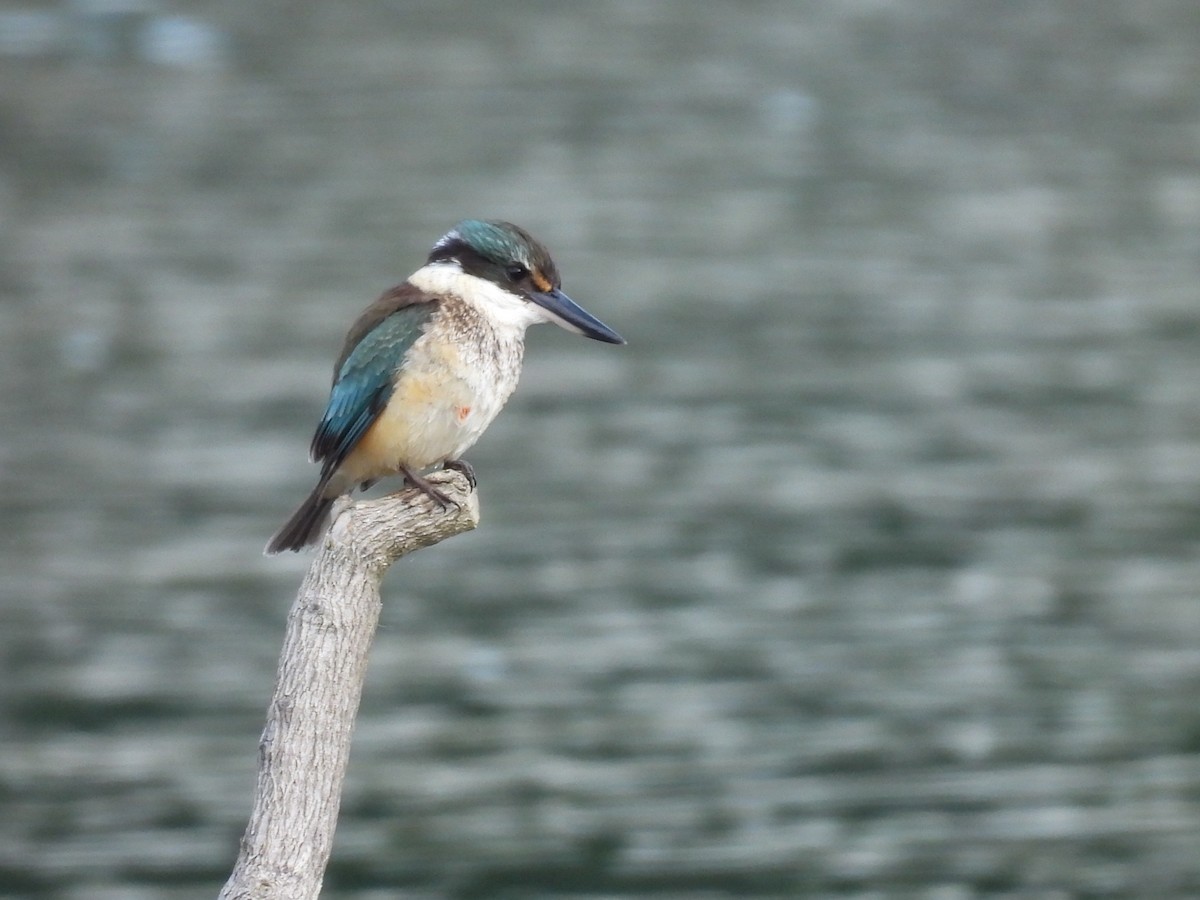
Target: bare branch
pixel 306 741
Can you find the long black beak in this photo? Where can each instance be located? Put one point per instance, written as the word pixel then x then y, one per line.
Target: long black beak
pixel 573 317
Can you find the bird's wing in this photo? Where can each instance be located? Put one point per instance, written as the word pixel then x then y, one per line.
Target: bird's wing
pixel 362 381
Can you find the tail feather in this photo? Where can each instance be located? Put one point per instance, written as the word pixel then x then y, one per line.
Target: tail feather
pixel 305 526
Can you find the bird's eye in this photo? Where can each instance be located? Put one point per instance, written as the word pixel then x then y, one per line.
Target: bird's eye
pixel 516 273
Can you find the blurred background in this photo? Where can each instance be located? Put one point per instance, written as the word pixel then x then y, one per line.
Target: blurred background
pixel 868 569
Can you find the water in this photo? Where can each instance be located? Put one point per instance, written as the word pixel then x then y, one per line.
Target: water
pixel 868 568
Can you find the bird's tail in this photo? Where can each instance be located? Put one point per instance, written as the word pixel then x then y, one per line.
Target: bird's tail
pixel 305 525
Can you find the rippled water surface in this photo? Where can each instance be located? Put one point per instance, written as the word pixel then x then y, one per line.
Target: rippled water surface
pixel 868 568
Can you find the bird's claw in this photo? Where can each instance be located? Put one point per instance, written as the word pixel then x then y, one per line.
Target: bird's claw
pixel 461 465
pixel 432 491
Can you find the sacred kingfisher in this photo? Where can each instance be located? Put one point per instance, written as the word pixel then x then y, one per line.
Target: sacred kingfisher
pixel 427 366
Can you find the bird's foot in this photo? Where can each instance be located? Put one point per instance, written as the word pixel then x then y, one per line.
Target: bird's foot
pixel 438 496
pixel 461 465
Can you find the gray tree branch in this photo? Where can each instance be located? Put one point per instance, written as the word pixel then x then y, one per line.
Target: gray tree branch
pixel 306 741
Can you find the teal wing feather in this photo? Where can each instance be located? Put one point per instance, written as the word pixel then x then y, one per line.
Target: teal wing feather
pixel 362 383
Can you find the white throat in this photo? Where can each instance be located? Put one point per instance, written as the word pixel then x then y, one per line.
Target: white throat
pixel 504 310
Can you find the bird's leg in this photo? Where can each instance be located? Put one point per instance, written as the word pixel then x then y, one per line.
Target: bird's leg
pixel 421 484
pixel 461 465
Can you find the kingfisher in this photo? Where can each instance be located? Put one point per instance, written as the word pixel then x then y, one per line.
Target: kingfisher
pixel 429 365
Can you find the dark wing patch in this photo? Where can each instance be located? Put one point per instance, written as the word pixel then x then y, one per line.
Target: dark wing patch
pixel 362 383
pixel 390 301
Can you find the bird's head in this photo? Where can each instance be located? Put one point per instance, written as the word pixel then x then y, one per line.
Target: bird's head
pixel 510 258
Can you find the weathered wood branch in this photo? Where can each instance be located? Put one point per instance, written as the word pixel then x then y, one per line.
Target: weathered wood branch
pixel 306 741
